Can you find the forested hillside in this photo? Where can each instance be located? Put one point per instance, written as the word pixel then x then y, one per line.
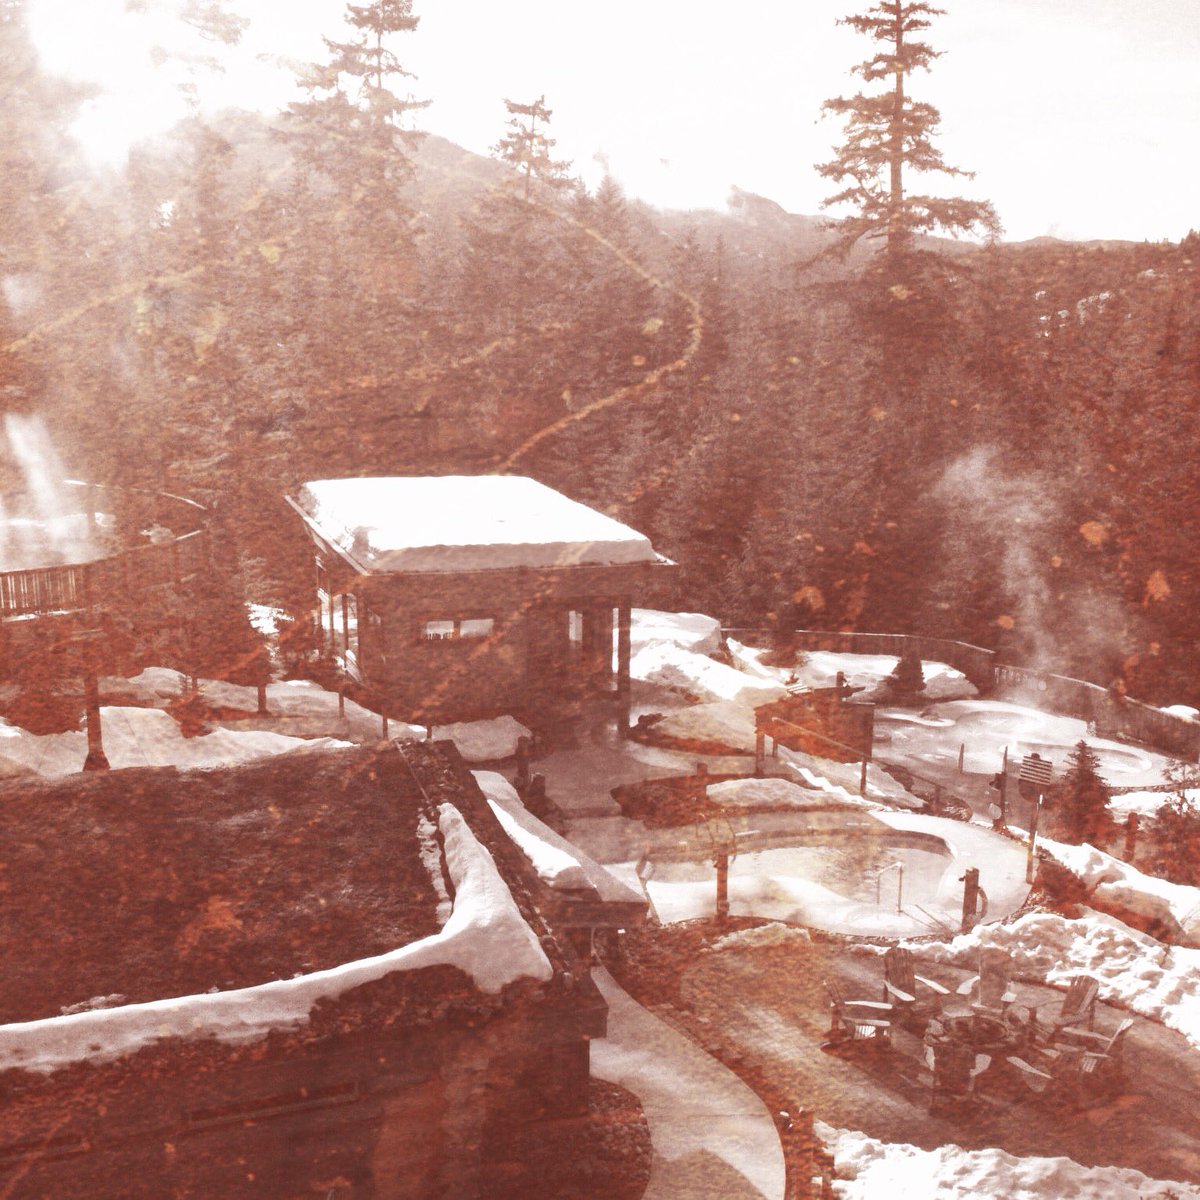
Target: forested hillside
pixel 1001 449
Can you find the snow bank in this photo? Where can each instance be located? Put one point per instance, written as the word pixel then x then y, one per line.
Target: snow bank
pixel 774 933
pixel 1134 970
pixel 143 737
pixel 669 665
pixel 559 863
pixel 820 669
pixel 1185 712
pixel 779 793
pixel 869 1169
pixel 483 741
pixel 1147 804
pixel 1118 883
pixel 689 631
pixel 485 936
pixel 729 724
pixel 464 523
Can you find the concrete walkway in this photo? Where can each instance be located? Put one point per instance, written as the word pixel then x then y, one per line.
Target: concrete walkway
pixel 713 1139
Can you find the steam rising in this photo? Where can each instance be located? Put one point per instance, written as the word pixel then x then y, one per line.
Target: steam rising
pixel 45 525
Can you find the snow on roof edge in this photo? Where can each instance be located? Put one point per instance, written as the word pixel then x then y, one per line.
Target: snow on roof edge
pixel 485 936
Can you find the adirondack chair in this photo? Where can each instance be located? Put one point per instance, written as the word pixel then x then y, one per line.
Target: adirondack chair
pixel 856 1021
pixel 1078 1010
pixel 1076 1070
pixel 990 987
pixel 901 985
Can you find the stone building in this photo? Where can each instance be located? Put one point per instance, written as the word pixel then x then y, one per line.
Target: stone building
pixel 328 975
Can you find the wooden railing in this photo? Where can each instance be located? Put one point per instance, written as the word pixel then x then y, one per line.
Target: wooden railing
pixel 115 579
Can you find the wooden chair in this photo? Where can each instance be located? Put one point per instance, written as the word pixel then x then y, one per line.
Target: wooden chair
pixel 856 1021
pixel 1077 1010
pixel 954 1069
pixel 901 982
pixel 1075 1069
pixel 990 987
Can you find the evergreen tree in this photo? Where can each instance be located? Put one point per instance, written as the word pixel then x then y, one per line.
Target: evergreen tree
pixel 888 134
pixel 1080 806
pixel 1176 832
pixel 526 147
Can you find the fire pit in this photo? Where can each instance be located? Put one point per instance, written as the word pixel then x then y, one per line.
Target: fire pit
pixel 983 1033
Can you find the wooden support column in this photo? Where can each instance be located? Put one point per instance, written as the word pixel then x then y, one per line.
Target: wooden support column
pixel 760 740
pixel 624 686
pixel 345 628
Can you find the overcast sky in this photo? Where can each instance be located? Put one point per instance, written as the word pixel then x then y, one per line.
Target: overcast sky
pixel 1081 118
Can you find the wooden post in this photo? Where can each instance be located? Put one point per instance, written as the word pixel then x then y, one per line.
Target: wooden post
pixel 970 898
pixel 624 686
pixel 262 699
pixel 341 702
pixel 1131 832
pixel 862 779
pixel 722 865
pixel 96 759
pixel 760 739
pixel 345 626
pixel 962 747
pixel 1031 861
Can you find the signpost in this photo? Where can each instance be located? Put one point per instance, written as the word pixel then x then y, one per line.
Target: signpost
pixel 1037 774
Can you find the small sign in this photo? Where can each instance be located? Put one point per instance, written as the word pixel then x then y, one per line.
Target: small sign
pixel 1037 771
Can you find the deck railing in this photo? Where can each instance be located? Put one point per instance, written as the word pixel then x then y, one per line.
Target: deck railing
pixel 115 578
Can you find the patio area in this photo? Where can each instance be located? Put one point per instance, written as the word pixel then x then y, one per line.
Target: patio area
pixel 765 1005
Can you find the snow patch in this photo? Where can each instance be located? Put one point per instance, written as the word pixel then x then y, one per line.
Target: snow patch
pixel 688 631
pixel 143 737
pixel 765 792
pixel 557 862
pixel 1120 884
pixel 483 741
pixel 669 665
pixel 869 1169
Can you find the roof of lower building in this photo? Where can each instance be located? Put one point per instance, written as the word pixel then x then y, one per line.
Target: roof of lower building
pixel 463 523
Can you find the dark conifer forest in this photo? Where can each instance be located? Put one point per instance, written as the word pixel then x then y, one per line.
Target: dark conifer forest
pixel 993 442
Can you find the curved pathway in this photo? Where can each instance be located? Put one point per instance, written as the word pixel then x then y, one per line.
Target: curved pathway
pixel 713 1139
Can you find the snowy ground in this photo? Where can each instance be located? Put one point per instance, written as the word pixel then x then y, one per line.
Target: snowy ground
pixel 1147 804
pixel 300 716
pixel 871 1170
pixel 1176 905
pixel 986 728
pixel 142 737
pixel 820 668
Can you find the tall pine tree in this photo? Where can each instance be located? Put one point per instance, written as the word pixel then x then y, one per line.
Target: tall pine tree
pixel 890 135
pixel 526 147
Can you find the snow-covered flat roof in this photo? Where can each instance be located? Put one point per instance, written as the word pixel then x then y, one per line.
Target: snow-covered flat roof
pixel 463 523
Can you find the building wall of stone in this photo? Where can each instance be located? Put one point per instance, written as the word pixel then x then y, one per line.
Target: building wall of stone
pixel 392 1112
